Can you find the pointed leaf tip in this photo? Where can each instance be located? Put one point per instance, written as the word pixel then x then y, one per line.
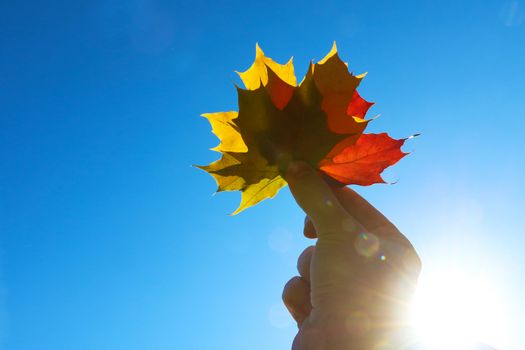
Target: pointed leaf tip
pixel 257 74
pixel 223 126
pixel 258 51
pixel 253 194
pixel 333 52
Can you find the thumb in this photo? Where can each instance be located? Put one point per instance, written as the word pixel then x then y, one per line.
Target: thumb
pixel 318 201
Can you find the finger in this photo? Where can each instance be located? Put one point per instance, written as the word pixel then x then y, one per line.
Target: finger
pixel 358 207
pixel 303 263
pixel 393 245
pixel 368 216
pixel 316 198
pixel 296 298
pixel 309 229
pixel 361 209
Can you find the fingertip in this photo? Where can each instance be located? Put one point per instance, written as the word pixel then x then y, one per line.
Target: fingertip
pixel 309 228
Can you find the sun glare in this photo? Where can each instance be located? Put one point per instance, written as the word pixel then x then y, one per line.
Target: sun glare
pixel 454 310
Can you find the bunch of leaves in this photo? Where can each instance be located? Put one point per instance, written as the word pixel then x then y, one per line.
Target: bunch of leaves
pixel 320 121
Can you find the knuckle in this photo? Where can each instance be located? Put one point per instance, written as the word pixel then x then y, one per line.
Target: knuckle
pixel 303 263
pixel 289 288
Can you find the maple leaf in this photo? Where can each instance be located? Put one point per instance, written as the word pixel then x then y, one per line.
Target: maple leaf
pixel 363 162
pixel 320 121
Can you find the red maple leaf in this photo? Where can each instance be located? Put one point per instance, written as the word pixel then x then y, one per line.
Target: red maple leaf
pixel 363 162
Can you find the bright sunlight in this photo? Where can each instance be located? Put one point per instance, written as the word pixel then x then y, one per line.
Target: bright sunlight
pixel 455 309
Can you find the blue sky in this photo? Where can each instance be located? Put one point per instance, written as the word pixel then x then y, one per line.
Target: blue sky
pixel 110 240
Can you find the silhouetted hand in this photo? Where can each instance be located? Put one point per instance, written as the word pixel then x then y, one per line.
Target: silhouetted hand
pixel 358 280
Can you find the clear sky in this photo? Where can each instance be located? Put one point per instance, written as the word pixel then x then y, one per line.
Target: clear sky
pixel 110 240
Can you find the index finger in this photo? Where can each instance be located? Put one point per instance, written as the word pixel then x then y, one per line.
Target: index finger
pixel 319 202
pixel 367 215
pixel 371 219
pixel 361 209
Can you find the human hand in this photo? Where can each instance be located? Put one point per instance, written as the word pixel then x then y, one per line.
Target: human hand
pixel 357 282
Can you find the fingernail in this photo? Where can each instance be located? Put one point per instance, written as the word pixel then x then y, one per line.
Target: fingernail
pixel 309 229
